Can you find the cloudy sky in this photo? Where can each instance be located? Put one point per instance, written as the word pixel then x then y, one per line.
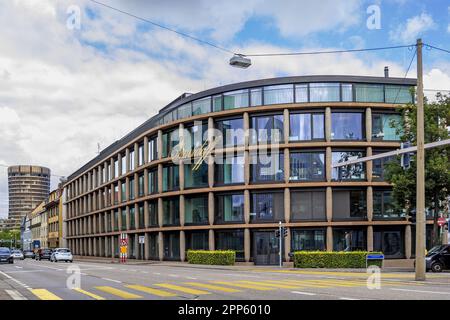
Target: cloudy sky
pixel 64 89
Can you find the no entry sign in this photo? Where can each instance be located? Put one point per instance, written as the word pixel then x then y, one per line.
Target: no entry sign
pixel 441 221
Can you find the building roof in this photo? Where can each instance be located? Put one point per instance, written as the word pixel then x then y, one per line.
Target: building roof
pixel 186 98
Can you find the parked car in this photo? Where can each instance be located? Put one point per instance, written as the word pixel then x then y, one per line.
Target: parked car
pixel 438 258
pixel 61 254
pixel 5 255
pixel 28 254
pixel 17 254
pixel 43 254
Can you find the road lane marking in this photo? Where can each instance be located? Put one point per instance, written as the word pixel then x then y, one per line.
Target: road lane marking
pixel 246 286
pixel 345 298
pixel 149 290
pixel 211 287
pixel 44 294
pixel 13 279
pixel 420 291
pixel 118 292
pixel 240 275
pixel 182 289
pixel 112 280
pixel 90 294
pixel 15 295
pixel 304 283
pixel 173 275
pixel 192 278
pixel 304 293
pixel 18 267
pixel 274 285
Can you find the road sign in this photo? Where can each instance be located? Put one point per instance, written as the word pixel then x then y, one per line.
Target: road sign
pixel 141 239
pixel 123 249
pixel 441 221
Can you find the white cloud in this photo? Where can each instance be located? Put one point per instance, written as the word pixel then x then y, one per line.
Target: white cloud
pixel 413 28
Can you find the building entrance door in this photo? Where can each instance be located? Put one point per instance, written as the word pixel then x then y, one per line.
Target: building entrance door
pixel 265 248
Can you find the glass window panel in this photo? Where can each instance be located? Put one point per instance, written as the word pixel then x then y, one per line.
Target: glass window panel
pixel 232 132
pixel 398 94
pixel 141 185
pixel 318 126
pixel 131 189
pixel 308 240
pixel 300 127
pixel 267 167
pixel 235 99
pixel 196 210
pixel 171 211
pixel 256 97
pixel 347 92
pixel 141 155
pixel 124 219
pixel 202 106
pixel 217 103
pixel 384 126
pixel 307 166
pixel 355 171
pixel 141 217
pixel 320 92
pixel 390 241
pixel 184 111
pixel 152 150
pixel 230 169
pixel 153 181
pixel 197 240
pixel 267 129
pixel 132 155
pixel 171 179
pixel 369 93
pixel 124 164
pixel 171 243
pixel 347 126
pixel 278 94
pixel 301 93
pixel 231 240
pixel 267 207
pixel 349 204
pixel 229 208
pixel 308 205
pixel 195 178
pixel 383 206
pixel 153 213
pixel 349 240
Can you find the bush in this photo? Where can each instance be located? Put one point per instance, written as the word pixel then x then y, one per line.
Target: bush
pixel 333 260
pixel 217 257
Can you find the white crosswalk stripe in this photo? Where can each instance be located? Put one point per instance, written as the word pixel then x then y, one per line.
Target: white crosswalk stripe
pixel 15 295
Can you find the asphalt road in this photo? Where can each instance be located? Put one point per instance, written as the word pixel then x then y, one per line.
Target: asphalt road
pixel 44 280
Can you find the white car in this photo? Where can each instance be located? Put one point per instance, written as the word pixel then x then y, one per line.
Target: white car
pixel 17 254
pixel 61 254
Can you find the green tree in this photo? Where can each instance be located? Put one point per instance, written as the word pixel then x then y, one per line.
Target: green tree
pixel 437 160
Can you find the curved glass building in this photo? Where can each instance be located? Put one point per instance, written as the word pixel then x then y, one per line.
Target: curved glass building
pixel 221 168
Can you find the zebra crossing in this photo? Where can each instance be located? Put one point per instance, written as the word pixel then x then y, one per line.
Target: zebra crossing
pixel 199 288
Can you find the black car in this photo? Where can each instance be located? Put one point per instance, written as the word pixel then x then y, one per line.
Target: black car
pixel 5 256
pixel 28 254
pixel 44 254
pixel 438 258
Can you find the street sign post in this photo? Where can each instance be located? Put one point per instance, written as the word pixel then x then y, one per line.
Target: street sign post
pixel 141 244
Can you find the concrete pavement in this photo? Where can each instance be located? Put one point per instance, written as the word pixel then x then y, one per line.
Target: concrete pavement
pixel 44 280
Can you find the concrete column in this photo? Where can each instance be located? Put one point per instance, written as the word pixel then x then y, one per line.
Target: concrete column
pixel 145 149
pixel 137 251
pixel 146 191
pixel 329 204
pixel 113 246
pixel 95 243
pixel 211 208
pixel 287 245
pixel 127 158
pixel 160 212
pixel 182 246
pixel 210 171
pixel 159 144
pixel 287 205
pixel 328 124
pixel 211 240
pixel 90 249
pixel 146 217
pixel 408 242
pixel 329 239
pixel 369 238
pixel 136 216
pixel 369 203
pixel 368 124
pixel 182 211
pixel 247 206
pixel 287 169
pixel 160 246
pixel 160 176
pixel 246 167
pixel 328 161
pixel 181 174
pixel 127 188
pixel 136 155
pixel 111 163
pixel 286 124
pixel 127 216
pixel 369 165
pixel 146 247
pixel 246 125
pixel 247 253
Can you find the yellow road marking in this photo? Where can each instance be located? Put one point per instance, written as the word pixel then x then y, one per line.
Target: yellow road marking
pixel 118 292
pixel 278 285
pixel 156 292
pixel 306 284
pixel 44 294
pixel 182 289
pixel 90 294
pixel 211 287
pixel 246 286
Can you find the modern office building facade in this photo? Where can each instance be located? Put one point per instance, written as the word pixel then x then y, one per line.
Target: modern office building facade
pixel 27 187
pixel 53 208
pixel 278 138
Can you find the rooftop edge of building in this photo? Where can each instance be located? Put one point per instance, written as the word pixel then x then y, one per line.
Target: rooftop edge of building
pixel 28 169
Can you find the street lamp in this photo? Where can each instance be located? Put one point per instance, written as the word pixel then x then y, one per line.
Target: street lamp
pixel 239 61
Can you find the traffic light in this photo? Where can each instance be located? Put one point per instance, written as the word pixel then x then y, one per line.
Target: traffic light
pixel 412 216
pixel 285 232
pixel 277 233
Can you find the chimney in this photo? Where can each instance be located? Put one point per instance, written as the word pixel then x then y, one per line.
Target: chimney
pixel 386 72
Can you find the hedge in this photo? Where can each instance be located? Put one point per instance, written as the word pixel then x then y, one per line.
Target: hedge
pixel 334 260
pixel 217 257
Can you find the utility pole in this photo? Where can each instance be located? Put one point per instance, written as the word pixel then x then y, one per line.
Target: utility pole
pixel 420 174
